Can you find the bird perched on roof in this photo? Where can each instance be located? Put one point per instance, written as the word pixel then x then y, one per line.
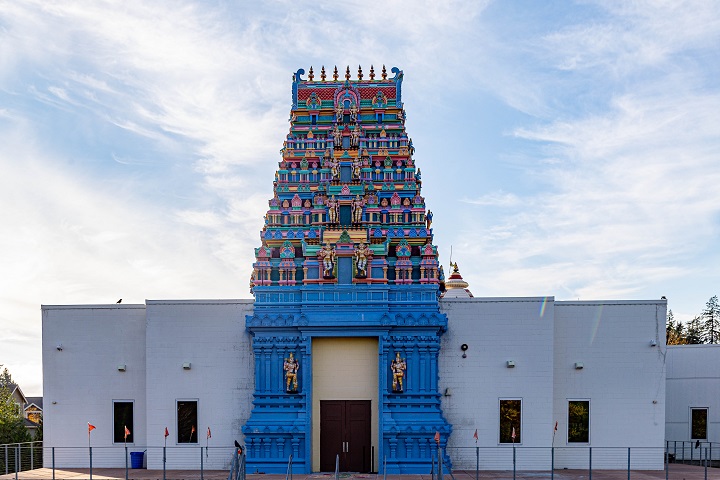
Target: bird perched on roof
pixel 119 301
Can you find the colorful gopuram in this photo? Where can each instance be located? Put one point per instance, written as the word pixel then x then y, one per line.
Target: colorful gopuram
pixel 346 270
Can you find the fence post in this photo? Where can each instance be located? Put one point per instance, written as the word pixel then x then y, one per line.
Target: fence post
pixel 667 463
pixel 126 465
pixel 17 456
pixel 53 462
pixel 706 463
pixel 90 462
pixel 201 464
pixel 477 462
pixel 7 460
pixel 590 462
pixel 552 463
pixel 32 456
pixel 513 461
pixel 628 463
pixel 164 460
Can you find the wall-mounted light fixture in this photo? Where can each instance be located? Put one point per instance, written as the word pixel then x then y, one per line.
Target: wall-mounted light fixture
pixel 653 343
pixel 464 348
pixel 59 347
pixel 121 368
pixel 579 366
pixel 448 392
pixel 510 364
pixel 186 366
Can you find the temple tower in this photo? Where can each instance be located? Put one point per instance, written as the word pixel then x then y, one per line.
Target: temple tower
pixel 346 325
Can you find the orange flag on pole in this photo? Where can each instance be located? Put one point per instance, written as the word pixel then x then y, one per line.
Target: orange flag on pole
pixel 475 435
pixel 209 435
pixel 90 428
pixel 437 437
pixel 127 433
pixel 166 432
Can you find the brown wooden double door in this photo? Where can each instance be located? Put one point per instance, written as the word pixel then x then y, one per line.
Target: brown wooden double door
pixel 345 431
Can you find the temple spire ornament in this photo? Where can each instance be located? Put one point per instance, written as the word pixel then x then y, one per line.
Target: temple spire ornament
pixel 384 73
pixel 360 74
pixel 335 74
pixel 310 74
pixel 322 73
pixel 347 73
pixel 372 73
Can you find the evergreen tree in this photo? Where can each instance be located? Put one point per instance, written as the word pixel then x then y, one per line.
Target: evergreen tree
pixel 12 424
pixel 710 321
pixel 674 331
pixel 694 331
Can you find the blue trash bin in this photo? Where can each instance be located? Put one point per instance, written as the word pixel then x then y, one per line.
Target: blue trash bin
pixel 136 459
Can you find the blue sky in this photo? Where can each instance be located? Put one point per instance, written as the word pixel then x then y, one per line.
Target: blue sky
pixel 569 149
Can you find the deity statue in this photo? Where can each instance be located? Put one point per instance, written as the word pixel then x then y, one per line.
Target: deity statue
pixel 355 136
pixel 334 169
pixel 362 252
pixel 428 218
pixel 356 169
pixel 398 367
pixel 357 209
pixel 353 113
pixel 291 367
pixel 327 256
pixel 332 205
pixel 339 110
pixel 337 136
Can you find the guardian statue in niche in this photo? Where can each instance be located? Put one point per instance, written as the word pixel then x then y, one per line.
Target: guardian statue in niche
pixel 291 367
pixel 398 367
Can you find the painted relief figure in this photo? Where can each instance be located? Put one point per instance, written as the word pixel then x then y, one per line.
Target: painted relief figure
pixel 327 256
pixel 398 367
pixel 291 367
pixel 361 259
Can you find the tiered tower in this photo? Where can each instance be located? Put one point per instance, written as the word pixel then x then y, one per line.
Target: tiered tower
pixel 346 252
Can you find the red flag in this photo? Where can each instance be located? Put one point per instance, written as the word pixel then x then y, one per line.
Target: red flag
pixel 209 435
pixel 90 428
pixel 555 426
pixel 513 434
pixel 192 430
pixel 475 436
pixel 437 437
pixel 166 432
pixel 127 432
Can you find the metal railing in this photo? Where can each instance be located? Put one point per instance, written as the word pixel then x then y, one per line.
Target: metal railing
pixel 65 462
pixel 693 452
pixel 20 457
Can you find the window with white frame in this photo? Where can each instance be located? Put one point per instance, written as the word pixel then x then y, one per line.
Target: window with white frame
pixel 578 421
pixel 123 421
pixel 510 420
pixel 187 425
pixel 698 423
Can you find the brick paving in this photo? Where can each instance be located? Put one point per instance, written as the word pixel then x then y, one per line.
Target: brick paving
pixel 676 472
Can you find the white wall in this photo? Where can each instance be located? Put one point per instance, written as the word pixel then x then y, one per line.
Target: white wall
pixel 693 380
pixel 623 377
pixel 497 330
pixel 81 381
pixel 153 341
pixel 211 336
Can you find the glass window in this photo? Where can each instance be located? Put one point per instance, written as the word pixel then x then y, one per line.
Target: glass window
pixel 698 423
pixel 122 419
pixel 187 421
pixel 579 421
pixel 510 420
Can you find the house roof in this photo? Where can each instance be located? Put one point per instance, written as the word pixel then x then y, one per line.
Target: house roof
pixel 37 401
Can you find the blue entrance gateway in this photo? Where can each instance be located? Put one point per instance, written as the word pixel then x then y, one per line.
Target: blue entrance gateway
pixel 346 253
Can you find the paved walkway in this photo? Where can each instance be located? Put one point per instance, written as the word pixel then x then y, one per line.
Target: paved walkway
pixel 677 472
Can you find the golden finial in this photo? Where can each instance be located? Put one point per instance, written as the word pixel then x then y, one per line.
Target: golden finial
pixel 384 73
pixel 335 74
pixel 310 75
pixel 360 75
pixel 372 73
pixel 347 73
pixel 322 73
